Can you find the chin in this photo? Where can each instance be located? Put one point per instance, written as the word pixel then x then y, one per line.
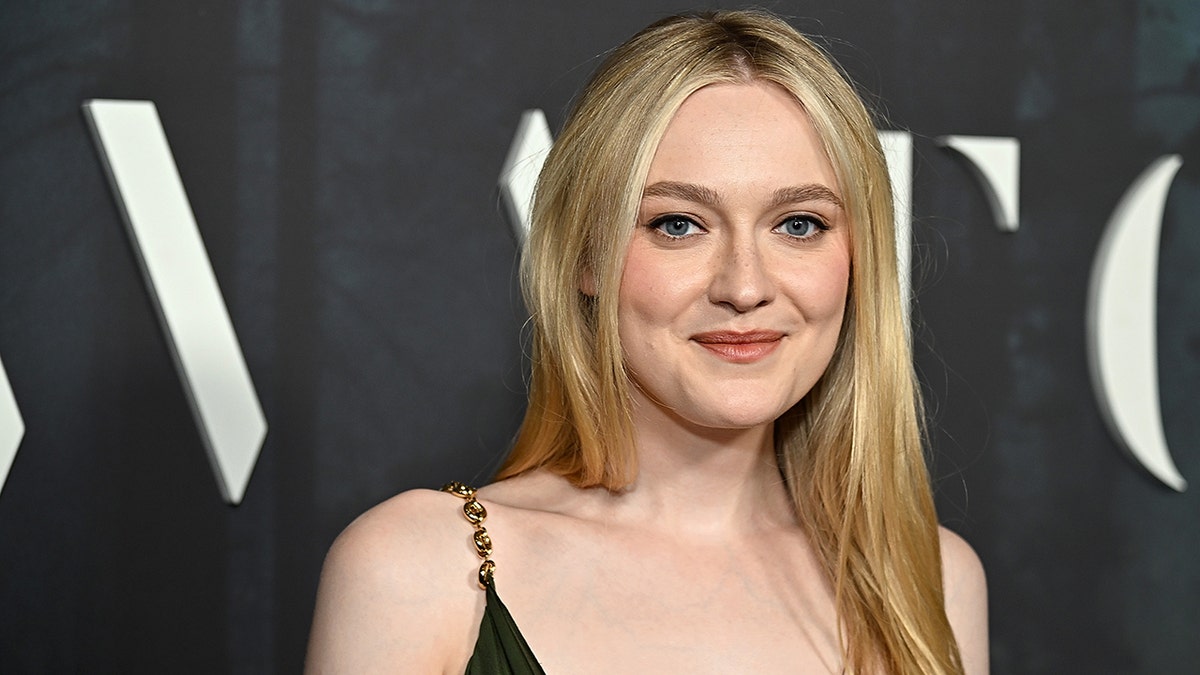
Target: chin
pixel 733 414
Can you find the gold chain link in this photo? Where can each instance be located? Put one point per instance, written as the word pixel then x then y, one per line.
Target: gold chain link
pixel 475 514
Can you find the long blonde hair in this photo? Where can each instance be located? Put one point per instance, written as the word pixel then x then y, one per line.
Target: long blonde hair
pixel 850 450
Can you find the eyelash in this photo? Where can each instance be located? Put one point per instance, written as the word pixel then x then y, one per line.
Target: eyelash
pixel 658 224
pixel 819 226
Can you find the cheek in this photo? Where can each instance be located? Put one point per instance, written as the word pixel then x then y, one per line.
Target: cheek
pixel 837 276
pixel 643 306
pixel 821 290
pixel 638 279
pixel 834 296
pixel 652 291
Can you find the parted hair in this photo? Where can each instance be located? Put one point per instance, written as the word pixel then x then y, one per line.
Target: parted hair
pixel 850 450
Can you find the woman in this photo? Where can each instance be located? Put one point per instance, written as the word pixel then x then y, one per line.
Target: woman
pixel 720 467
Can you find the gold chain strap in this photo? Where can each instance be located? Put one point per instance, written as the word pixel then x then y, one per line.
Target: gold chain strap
pixel 476 514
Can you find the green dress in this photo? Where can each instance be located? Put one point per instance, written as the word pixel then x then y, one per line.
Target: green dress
pixel 500 648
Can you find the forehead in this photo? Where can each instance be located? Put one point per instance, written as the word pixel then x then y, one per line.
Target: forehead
pixel 738 136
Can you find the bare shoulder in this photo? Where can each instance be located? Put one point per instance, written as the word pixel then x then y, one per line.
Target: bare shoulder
pixel 965 588
pixel 397 591
pixel 960 564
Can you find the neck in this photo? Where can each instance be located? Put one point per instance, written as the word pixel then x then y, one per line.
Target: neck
pixel 702 480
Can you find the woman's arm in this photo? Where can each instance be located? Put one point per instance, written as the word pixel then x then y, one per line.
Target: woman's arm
pixel 396 592
pixel 965 589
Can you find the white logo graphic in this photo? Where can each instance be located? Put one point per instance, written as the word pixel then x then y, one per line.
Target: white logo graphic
pixel 1122 350
pixel 177 272
pixel 1120 315
pixel 996 163
pixel 530 146
pixel 12 428
pixel 898 153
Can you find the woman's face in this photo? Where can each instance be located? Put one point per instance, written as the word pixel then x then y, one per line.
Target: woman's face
pixel 736 275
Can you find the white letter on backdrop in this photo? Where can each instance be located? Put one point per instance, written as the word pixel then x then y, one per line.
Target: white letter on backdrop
pixel 519 174
pixel 996 162
pixel 180 279
pixel 12 428
pixel 1121 322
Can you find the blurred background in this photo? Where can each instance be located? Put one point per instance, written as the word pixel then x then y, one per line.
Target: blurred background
pixel 342 158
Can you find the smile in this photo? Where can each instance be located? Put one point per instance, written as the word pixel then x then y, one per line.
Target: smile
pixel 740 347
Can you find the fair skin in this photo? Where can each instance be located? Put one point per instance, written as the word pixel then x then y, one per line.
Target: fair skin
pixel 730 305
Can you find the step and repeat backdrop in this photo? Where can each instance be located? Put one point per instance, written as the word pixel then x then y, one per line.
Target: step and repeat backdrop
pixel 258 273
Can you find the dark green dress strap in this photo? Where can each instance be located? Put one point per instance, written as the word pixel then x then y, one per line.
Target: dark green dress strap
pixel 500 648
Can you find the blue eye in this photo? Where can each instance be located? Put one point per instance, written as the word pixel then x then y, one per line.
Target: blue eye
pixel 675 227
pixel 801 227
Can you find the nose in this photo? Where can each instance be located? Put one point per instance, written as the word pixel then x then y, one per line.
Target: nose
pixel 740 279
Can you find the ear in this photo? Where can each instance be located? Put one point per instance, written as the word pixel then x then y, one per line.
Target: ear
pixel 587 282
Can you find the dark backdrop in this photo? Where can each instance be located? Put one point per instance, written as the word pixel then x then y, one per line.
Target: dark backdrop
pixel 341 159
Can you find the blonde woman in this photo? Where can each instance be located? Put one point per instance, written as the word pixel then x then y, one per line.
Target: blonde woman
pixel 720 469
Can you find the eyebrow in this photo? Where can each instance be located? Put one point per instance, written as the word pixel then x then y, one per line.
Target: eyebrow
pixel 809 192
pixel 687 191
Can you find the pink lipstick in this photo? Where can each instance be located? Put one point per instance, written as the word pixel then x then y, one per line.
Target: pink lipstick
pixel 737 347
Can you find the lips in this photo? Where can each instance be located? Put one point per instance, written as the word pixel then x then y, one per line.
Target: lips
pixel 740 347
